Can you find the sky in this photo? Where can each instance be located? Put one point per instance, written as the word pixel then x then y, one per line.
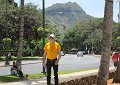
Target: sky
pixel 92 7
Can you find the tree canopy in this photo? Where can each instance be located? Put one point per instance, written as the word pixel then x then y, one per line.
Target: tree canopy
pixel 33 31
pixel 88 35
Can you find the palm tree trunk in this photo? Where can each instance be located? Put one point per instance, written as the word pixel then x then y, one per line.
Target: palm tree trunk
pixel 0 41
pixel 103 73
pixel 21 34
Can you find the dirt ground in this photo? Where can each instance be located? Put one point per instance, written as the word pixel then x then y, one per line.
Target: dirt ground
pixel 110 82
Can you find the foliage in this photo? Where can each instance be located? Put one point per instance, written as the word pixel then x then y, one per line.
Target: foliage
pixel 84 34
pixel 116 35
pixel 33 31
pixel 6 40
pixel 89 33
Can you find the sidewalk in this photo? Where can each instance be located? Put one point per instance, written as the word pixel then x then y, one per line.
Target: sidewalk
pixel 24 62
pixel 62 78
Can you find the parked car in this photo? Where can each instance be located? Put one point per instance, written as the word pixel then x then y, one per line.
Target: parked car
pixel 73 51
pixel 62 53
pixel 80 54
pixel 82 50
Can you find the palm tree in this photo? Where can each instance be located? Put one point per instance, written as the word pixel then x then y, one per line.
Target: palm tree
pixel 21 34
pixel 103 73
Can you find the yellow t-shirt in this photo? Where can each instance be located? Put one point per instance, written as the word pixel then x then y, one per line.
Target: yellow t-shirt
pixel 52 50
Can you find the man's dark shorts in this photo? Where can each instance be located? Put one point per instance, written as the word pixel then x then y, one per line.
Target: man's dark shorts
pixel 115 64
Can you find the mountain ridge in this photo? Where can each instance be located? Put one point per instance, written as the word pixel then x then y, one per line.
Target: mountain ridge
pixel 66 14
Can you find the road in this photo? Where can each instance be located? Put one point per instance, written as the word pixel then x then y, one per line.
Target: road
pixel 68 62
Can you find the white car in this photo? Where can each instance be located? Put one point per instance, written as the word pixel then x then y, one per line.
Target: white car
pixel 80 54
pixel 62 53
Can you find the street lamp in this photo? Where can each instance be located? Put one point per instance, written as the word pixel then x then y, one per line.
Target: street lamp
pixel 43 14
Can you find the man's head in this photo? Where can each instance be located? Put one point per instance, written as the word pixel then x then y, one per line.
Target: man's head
pixel 116 51
pixel 14 63
pixel 52 37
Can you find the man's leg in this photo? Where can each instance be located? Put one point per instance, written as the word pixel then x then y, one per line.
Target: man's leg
pixel 48 72
pixel 115 65
pixel 55 68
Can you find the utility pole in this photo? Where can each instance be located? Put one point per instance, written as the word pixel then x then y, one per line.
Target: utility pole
pixel 43 14
pixel 6 44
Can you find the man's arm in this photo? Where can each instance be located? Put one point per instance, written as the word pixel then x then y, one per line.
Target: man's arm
pixel 59 56
pixel 44 58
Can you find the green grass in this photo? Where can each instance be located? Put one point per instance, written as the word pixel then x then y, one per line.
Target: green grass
pixel 33 76
pixel 23 58
pixel 9 78
pixel 68 72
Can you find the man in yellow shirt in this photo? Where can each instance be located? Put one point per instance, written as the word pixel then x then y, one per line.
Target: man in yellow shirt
pixel 52 55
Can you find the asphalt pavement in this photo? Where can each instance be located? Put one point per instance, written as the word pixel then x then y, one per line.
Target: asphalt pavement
pixel 69 62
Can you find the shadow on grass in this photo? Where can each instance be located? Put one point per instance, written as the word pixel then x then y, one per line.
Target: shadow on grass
pixel 9 78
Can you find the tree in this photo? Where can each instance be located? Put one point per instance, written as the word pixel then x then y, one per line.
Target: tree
pixel 32 21
pixel 12 19
pixel 21 34
pixel 103 73
pixel 116 36
pixel 85 34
